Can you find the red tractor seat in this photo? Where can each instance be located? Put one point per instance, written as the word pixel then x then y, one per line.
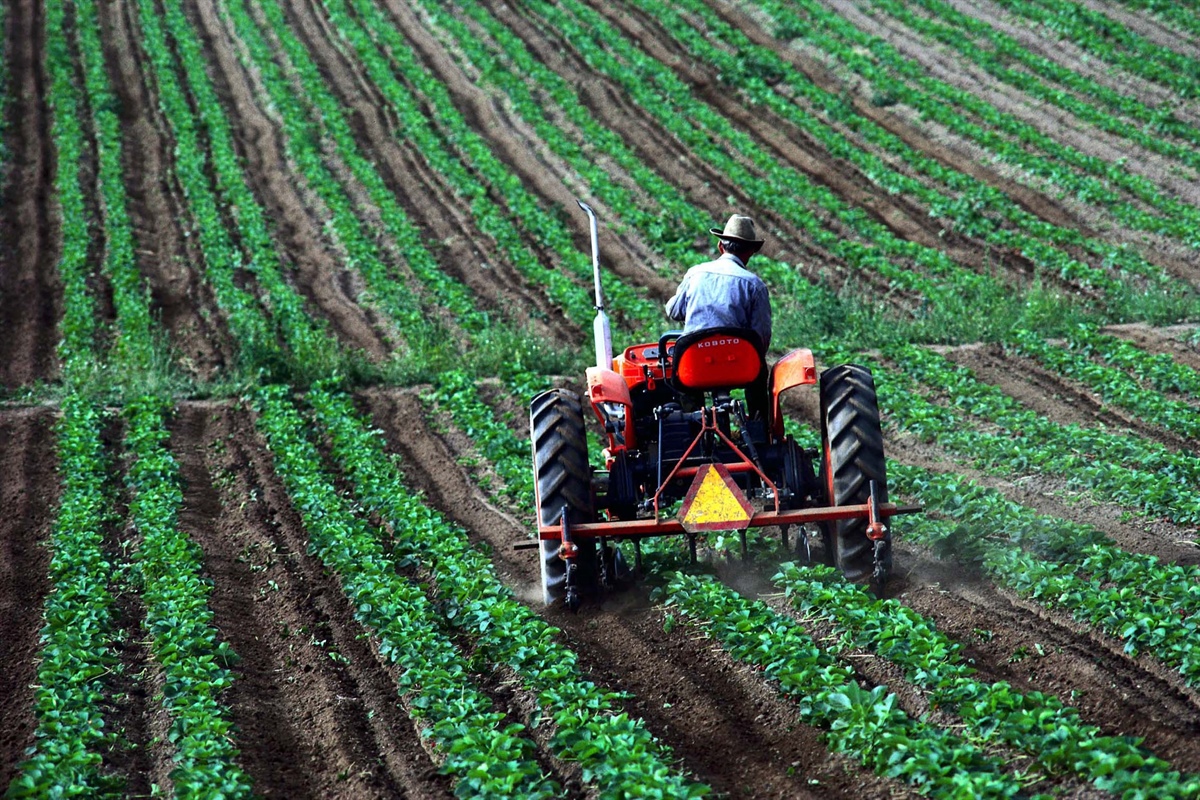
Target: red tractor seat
pixel 718 359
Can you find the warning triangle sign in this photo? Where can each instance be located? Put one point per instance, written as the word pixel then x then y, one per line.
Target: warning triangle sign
pixel 714 502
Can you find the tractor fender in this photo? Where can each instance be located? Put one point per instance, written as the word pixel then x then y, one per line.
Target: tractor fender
pixel 797 368
pixel 613 404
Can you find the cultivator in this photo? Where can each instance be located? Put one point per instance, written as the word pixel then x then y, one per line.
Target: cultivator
pixel 677 435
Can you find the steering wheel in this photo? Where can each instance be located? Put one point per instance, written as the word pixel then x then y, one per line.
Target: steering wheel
pixel 662 348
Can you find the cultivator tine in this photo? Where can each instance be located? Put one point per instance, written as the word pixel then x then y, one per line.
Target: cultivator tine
pixel 568 551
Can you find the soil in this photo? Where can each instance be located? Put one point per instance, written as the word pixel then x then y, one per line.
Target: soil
pixel 30 294
pixel 28 495
pixel 315 706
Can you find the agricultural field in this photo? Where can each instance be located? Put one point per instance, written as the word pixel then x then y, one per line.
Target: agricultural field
pixel 278 280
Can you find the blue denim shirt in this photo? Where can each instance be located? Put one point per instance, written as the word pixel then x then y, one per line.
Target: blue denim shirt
pixel 722 292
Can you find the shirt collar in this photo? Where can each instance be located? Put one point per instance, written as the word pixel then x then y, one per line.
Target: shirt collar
pixel 734 259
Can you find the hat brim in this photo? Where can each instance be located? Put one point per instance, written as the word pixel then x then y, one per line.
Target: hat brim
pixel 720 234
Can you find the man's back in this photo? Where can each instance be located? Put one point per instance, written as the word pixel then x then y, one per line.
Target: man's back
pixel 722 293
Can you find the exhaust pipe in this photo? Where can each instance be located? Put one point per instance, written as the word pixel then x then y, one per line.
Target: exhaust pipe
pixel 600 328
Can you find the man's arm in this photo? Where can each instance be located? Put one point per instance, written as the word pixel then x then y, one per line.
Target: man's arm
pixel 760 320
pixel 677 305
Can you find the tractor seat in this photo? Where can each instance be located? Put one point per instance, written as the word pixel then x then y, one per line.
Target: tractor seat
pixel 718 359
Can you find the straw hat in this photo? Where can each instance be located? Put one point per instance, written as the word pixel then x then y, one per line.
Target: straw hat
pixel 739 228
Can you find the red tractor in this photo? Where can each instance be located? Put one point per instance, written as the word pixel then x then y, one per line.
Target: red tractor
pixel 677 432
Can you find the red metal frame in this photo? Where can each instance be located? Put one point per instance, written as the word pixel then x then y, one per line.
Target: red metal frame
pixel 633 368
pixel 657 526
pixel 711 427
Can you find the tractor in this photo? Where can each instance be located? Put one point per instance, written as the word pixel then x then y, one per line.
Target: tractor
pixel 678 435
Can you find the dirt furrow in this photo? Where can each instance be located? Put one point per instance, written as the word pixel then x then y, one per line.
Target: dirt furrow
pixel 1057 397
pixel 29 497
pixel 452 233
pixel 140 754
pixel 167 255
pixel 30 294
pixel 700 182
pixel 1161 340
pixel 525 154
pixel 726 723
pixel 904 217
pixel 315 708
pixel 297 216
pixel 1057 123
pixel 1034 649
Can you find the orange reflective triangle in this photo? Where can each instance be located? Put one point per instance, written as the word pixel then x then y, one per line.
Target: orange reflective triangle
pixel 714 502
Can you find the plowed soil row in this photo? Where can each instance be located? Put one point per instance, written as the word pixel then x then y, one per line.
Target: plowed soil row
pixel 28 495
pixel 316 708
pixel 29 231
pixel 315 705
pixel 1006 637
pixel 1063 126
pixel 453 237
pixel 167 254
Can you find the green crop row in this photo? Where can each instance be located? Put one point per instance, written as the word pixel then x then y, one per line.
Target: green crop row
pixel 175 591
pixel 1035 723
pixel 67 108
pixel 1112 385
pixel 135 346
pixel 313 112
pixel 486 756
pixel 510 455
pixel 78 637
pixel 617 754
pixel 947 25
pixel 714 138
pixel 866 724
pixel 1114 43
pixel 758 71
pixel 1150 622
pixel 222 257
pixel 662 216
pixel 1088 179
pixel 229 202
pixel 1182 16
pixel 1119 467
pixel 1000 520
pixel 496 195
pixel 1158 369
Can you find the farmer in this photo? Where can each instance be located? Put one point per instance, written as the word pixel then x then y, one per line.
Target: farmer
pixel 724 293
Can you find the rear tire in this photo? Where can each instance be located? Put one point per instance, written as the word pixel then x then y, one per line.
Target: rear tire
pixel 564 479
pixel 852 442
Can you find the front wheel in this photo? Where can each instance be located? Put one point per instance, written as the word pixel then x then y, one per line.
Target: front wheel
pixel 564 481
pixel 852 442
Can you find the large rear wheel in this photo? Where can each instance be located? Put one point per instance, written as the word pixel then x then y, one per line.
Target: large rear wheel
pixel 852 443
pixel 564 481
